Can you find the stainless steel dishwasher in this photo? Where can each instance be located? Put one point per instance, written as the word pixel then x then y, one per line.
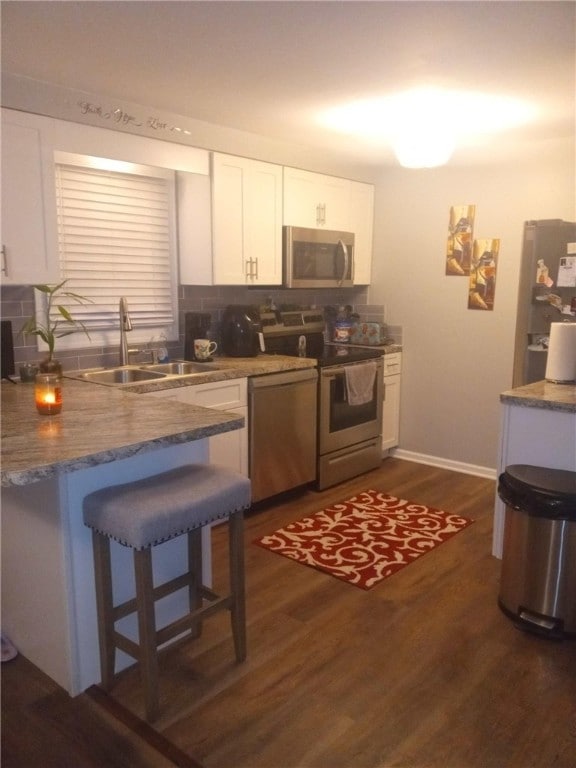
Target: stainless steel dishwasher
pixel 282 431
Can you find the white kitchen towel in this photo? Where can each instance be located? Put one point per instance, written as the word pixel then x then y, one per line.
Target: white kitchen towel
pixel 360 382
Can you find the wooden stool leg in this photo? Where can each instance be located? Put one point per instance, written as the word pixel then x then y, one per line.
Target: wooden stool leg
pixel 195 570
pixel 147 630
pixel 104 607
pixel 237 588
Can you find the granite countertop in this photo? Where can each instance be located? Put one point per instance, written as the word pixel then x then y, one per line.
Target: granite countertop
pixel 544 395
pixel 99 424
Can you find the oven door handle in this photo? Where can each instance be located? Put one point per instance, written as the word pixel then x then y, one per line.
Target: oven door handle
pixel 332 371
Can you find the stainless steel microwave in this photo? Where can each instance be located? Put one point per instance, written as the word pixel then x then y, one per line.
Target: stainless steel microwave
pixel 317 258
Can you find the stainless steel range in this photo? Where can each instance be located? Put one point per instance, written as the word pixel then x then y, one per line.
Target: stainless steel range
pixel 349 422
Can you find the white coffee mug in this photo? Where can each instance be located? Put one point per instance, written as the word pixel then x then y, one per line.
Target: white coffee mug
pixel 204 348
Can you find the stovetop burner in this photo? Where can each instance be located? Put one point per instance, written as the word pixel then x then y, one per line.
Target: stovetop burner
pixel 335 354
pixel 283 332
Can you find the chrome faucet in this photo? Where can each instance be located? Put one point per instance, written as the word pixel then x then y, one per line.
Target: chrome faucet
pixel 125 325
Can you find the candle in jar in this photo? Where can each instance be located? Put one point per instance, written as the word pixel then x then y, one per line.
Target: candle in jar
pixel 48 394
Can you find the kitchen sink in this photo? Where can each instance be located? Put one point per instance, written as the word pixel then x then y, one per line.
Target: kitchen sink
pixel 120 376
pixel 140 374
pixel 179 368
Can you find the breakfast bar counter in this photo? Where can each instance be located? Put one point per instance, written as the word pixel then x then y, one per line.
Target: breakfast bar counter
pixel 97 425
pixel 538 427
pixel 102 437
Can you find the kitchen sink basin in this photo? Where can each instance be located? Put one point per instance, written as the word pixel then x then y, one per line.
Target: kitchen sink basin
pixel 178 368
pixel 120 376
pixel 140 374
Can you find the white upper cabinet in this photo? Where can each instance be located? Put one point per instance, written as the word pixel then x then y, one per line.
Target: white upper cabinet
pixel 315 200
pixel 362 224
pixel 28 204
pixel 246 221
pixel 193 192
pixel 327 202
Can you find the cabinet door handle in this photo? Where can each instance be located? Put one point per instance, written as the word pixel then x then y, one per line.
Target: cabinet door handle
pixel 4 268
pixel 251 269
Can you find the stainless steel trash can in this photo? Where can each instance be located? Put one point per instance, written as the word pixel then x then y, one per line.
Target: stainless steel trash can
pixel 538 577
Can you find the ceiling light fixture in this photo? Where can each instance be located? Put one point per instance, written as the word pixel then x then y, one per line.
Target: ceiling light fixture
pixel 425 125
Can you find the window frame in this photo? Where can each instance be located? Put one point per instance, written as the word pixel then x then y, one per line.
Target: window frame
pixel 106 337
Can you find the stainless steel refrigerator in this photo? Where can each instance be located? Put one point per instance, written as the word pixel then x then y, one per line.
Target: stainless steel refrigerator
pixel 547 290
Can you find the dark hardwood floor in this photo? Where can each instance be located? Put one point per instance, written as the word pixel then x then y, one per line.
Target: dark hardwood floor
pixel 423 671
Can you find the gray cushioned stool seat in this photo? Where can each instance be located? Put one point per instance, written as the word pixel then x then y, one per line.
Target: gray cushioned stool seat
pixel 142 514
pixel 146 512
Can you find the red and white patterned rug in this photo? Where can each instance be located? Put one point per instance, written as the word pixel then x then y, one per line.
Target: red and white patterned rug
pixel 365 539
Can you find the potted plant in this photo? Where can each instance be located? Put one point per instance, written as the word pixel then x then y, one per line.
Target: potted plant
pixel 54 322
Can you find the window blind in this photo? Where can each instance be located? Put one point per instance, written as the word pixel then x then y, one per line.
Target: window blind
pixel 116 239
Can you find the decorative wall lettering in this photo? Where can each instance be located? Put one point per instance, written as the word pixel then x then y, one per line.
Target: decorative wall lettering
pixel 121 117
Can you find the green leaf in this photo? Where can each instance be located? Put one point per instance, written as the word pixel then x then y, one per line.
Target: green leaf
pixel 78 298
pixel 65 314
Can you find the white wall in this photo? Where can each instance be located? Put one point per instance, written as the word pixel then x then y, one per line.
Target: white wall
pixel 457 361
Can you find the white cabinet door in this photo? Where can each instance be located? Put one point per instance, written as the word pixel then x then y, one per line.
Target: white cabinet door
pixel 246 221
pixel 29 252
pixel 228 179
pixel 229 449
pixel 362 224
pixel 315 200
pixel 336 201
pixel 263 223
pixel 301 199
pixel 391 412
pixel 194 228
pixel 391 404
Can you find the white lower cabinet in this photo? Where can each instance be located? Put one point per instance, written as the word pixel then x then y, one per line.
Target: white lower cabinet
pixel 229 449
pixel 391 404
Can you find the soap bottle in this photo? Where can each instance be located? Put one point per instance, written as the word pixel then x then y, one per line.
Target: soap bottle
pixel 163 356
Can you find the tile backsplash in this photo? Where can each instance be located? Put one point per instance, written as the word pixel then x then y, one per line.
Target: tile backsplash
pixel 17 304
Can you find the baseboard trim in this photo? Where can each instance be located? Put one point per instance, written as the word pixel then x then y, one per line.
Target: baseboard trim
pixel 438 461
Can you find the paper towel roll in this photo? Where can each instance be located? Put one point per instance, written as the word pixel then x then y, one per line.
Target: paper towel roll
pixel 561 361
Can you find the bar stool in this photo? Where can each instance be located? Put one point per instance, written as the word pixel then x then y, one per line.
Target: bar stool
pixel 143 514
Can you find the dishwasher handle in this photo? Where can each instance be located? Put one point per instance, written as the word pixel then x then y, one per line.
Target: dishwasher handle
pixel 282 379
